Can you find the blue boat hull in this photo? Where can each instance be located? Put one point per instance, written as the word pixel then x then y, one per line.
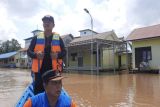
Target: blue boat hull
pixel 29 93
pixel 26 94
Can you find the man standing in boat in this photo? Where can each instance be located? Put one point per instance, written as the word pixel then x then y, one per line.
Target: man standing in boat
pixel 47 51
pixel 54 95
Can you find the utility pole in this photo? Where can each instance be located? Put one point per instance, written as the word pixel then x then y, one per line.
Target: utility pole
pixel 91 39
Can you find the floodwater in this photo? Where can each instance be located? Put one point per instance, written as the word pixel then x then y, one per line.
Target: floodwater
pixel 125 90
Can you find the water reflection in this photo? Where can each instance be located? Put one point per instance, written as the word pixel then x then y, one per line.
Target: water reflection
pixel 127 90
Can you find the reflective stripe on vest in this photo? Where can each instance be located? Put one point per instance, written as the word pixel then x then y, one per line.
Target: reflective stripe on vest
pixel 56 63
pixel 40 45
pixel 41 100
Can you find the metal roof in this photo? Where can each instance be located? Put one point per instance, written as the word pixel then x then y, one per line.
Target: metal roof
pixel 144 33
pixel 7 55
pixel 63 36
pixel 104 38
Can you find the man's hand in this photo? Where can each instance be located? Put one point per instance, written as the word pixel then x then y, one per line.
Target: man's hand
pixel 54 55
pixel 40 55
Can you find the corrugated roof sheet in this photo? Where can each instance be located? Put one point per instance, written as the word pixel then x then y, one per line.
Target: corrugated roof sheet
pixel 7 55
pixel 97 36
pixel 144 33
pixel 63 36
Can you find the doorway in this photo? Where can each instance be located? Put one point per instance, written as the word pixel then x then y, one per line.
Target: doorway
pixel 80 61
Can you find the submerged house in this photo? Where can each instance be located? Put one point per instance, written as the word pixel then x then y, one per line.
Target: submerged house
pixel 145 48
pixel 8 59
pixel 14 59
pixel 96 51
pixel 24 61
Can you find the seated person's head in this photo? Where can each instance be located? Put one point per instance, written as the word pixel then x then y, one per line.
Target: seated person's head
pixel 52 82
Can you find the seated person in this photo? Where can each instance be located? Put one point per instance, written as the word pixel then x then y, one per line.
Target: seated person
pixel 54 95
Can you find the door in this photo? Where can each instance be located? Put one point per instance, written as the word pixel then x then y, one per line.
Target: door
pixel 119 61
pixel 80 61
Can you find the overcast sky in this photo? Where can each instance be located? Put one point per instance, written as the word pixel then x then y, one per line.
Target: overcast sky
pixel 19 17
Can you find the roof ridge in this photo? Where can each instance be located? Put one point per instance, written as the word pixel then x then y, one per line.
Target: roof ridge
pixel 147 26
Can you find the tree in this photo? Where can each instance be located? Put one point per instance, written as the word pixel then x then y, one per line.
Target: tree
pixel 9 46
pixel 0 46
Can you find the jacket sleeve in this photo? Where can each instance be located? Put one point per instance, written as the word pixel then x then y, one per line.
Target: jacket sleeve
pixel 28 103
pixel 62 54
pixel 30 51
pixel 73 104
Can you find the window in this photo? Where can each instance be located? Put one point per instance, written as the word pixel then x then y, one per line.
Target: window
pixel 74 56
pixel 12 59
pixel 146 54
pixel 149 55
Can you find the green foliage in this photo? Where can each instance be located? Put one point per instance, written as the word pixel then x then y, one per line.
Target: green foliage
pixel 9 46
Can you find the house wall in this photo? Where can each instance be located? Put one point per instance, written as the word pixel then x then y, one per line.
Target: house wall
pixel 71 62
pixel 108 59
pixel 87 32
pixel 21 60
pixel 155 51
pixel 86 59
pixel 124 60
pixel 16 60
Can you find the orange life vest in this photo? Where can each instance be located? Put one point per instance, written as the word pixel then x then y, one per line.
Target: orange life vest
pixel 55 47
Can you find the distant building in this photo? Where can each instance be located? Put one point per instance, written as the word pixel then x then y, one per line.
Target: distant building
pixel 87 32
pixel 145 48
pixel 28 40
pixel 8 59
pixel 105 51
pixel 24 60
pixel 36 32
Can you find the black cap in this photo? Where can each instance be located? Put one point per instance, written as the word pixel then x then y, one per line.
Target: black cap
pixel 51 75
pixel 48 17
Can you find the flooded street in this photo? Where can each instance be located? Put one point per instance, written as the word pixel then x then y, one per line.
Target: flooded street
pixel 12 84
pixel 126 90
